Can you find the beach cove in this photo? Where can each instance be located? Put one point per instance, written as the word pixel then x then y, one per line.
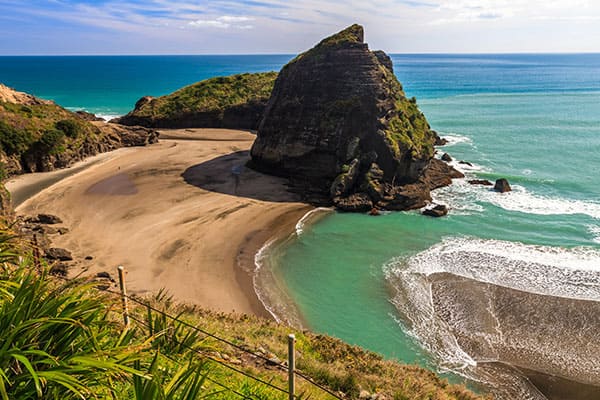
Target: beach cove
pixel 183 215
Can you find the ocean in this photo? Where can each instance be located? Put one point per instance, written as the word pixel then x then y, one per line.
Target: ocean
pixel 505 290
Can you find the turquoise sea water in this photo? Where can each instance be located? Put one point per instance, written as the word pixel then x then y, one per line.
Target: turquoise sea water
pixel 395 283
pixel 110 85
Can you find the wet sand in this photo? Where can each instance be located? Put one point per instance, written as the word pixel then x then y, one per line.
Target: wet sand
pixel 185 215
pixel 521 339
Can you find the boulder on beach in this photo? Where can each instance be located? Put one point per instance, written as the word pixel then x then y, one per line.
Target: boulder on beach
pixel 338 123
pixel 48 219
pixel 55 253
pixel 446 157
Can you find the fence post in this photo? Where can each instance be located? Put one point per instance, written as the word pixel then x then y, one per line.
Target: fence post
pixel 291 366
pixel 123 295
pixel 36 253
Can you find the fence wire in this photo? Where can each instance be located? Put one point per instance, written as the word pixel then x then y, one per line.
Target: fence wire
pixel 243 349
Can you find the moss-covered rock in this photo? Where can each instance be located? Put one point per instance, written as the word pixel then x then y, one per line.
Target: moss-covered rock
pixel 337 102
pixel 236 101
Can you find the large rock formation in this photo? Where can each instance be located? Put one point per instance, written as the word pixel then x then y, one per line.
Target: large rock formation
pixel 339 125
pixel 236 101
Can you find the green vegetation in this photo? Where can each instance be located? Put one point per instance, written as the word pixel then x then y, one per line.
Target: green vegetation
pixel 71 127
pixel 352 34
pixel 65 340
pixel 43 130
pixel 210 95
pixel 408 131
pixel 12 141
pixel 50 142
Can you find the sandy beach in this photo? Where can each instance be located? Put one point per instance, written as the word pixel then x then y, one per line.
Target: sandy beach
pixel 185 215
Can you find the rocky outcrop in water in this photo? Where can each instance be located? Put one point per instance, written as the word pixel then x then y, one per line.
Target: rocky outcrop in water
pixel 483 182
pixel 339 125
pixel 439 210
pixel 236 102
pixel 502 186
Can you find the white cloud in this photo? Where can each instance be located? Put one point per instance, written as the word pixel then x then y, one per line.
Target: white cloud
pixel 457 11
pixel 223 22
pixel 281 26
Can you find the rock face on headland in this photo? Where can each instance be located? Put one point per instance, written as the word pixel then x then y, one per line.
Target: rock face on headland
pixel 339 125
pixel 235 102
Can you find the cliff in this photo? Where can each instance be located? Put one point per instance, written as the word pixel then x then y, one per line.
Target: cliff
pixel 339 125
pixel 236 101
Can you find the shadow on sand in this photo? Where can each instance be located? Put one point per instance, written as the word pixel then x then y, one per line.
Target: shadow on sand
pixel 229 175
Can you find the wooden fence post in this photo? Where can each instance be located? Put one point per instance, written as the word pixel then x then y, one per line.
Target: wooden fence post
pixel 124 295
pixel 36 253
pixel 291 366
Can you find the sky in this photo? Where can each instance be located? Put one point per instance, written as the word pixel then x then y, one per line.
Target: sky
pixel 288 27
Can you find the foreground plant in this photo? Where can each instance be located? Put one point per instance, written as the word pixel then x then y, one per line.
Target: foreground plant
pixel 60 340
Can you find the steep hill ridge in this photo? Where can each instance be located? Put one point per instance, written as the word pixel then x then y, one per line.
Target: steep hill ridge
pixel 340 126
pixel 236 101
pixel 9 95
pixel 38 135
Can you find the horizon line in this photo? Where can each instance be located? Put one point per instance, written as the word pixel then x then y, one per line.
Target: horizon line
pixel 292 54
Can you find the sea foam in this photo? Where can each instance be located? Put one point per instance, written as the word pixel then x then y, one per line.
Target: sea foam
pixel 454 138
pixel 595 231
pixel 462 196
pixel 546 270
pixel 302 223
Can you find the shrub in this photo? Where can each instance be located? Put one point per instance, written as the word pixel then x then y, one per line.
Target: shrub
pixel 13 141
pixel 70 127
pixel 51 141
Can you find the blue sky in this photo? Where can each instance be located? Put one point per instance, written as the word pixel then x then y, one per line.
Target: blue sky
pixel 278 26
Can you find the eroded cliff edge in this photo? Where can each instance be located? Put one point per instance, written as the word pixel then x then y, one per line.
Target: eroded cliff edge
pixel 339 125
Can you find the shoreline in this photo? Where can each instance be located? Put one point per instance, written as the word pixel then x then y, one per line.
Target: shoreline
pixel 269 284
pixel 178 215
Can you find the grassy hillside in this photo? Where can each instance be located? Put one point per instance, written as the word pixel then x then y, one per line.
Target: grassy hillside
pixel 235 101
pixel 41 132
pixel 65 340
pixel 38 135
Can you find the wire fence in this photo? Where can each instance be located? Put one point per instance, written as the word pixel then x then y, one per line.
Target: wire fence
pixel 220 362
pixel 290 392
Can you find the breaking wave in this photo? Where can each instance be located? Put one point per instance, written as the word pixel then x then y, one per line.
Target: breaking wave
pixel 307 218
pixel 463 196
